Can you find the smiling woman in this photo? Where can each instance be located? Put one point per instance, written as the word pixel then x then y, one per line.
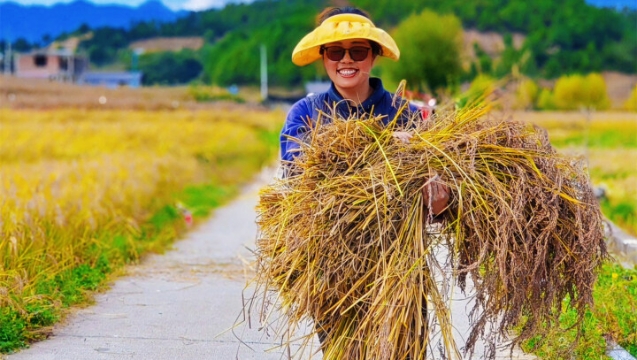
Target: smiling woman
pixel 348 43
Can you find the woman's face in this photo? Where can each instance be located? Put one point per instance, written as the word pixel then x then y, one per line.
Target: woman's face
pixel 349 75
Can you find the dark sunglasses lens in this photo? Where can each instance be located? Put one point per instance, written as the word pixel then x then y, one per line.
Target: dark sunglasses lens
pixel 335 53
pixel 358 53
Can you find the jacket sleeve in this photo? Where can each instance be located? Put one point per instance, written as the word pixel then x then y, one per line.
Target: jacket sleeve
pixel 297 123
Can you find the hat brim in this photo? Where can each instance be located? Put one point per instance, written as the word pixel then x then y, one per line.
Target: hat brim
pixel 342 27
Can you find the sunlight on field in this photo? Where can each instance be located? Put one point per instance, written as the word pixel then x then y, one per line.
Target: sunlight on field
pixel 78 188
pixel 21 93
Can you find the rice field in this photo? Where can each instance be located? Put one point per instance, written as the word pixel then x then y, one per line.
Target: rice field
pixel 83 192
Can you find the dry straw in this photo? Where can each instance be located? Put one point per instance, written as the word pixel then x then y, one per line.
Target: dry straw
pixel 346 242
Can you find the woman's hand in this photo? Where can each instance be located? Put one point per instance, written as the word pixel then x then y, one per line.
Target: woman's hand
pixel 435 192
pixel 403 136
pixel 436 195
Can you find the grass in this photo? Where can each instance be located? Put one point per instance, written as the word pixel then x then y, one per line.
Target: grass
pixel 613 316
pixel 609 142
pixel 84 192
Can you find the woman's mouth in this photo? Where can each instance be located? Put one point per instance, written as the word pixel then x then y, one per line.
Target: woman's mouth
pixel 347 73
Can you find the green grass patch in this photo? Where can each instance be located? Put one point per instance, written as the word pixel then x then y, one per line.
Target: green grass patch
pixel 202 199
pixel 601 139
pixel 621 212
pixel 12 330
pixel 613 316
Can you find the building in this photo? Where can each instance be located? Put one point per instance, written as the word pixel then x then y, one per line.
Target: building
pixel 131 79
pixel 60 65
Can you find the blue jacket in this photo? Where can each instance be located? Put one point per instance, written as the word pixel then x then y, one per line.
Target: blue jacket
pixel 308 108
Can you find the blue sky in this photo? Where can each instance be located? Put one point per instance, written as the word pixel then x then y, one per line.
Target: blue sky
pixel 195 5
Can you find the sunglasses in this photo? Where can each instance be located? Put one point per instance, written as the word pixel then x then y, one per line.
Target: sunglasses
pixel 337 53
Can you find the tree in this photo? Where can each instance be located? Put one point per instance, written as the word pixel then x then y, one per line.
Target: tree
pixel 430 51
pixel 46 39
pixel 485 64
pixel 170 68
pixel 22 45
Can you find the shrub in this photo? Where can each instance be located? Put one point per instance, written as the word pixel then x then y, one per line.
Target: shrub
pixel 170 68
pixel 526 95
pixel 480 89
pixel 576 91
pixel 209 94
pixel 631 102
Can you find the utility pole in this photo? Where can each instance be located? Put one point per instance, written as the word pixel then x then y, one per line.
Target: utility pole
pixel 7 58
pixel 135 59
pixel 264 73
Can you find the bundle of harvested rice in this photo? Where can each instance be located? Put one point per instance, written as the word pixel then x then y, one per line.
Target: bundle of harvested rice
pixel 345 242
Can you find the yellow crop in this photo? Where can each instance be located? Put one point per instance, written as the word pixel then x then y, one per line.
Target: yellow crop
pixel 69 178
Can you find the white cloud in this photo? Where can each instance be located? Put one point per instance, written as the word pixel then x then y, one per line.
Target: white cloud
pixel 99 2
pixel 198 5
pixel 194 5
pixel 174 4
pixel 35 2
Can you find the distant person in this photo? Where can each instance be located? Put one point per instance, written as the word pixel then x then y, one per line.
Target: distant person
pixel 348 43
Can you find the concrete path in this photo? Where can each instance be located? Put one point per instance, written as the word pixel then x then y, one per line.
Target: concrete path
pixel 180 305
pixel 622 245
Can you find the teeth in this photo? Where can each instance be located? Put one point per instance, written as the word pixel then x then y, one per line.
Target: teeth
pixel 347 72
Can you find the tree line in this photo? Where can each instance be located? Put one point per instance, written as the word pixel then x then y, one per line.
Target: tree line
pixel 566 37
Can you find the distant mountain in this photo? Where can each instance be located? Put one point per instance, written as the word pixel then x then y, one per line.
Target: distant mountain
pixel 35 21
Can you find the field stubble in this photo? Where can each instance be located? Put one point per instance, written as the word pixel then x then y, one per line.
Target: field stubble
pixel 83 192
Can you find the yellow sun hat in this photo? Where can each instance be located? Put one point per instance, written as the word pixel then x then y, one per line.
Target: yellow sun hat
pixel 342 27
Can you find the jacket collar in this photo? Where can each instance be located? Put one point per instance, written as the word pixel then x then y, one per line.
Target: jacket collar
pixel 344 107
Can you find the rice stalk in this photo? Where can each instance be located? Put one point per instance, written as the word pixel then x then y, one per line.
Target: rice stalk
pixel 347 241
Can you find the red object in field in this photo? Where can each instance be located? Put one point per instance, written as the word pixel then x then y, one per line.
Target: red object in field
pixel 188 218
pixel 187 214
pixel 424 112
pixel 425 102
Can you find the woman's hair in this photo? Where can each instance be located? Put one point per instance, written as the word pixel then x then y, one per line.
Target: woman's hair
pixel 331 11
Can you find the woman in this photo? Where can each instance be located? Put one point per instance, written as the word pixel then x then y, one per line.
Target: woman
pixel 348 43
